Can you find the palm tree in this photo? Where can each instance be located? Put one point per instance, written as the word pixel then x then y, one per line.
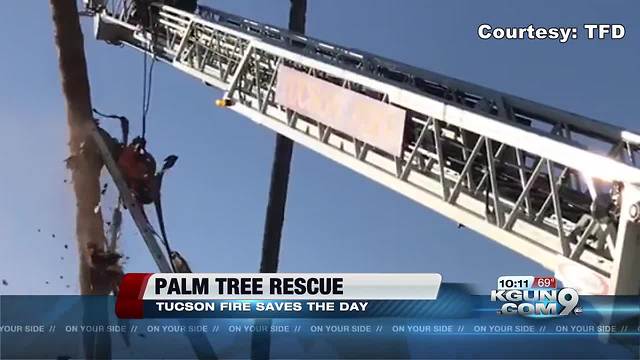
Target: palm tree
pixel 85 164
pixel 280 170
pixel 277 194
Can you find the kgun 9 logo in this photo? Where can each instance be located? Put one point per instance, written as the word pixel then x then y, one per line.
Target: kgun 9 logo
pixel 537 302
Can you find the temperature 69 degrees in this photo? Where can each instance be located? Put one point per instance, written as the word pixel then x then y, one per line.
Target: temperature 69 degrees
pixel 526 282
pixel 534 296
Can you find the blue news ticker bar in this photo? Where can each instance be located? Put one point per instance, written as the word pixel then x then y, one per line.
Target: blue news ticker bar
pixel 456 325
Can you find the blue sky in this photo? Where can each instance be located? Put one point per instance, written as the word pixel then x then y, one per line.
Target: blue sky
pixel 215 199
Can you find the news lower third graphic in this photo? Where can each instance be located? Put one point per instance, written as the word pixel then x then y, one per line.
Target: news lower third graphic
pixel 327 316
pixel 275 295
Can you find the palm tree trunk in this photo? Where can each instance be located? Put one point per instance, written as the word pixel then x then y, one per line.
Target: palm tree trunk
pixel 85 165
pixel 261 343
pixel 280 170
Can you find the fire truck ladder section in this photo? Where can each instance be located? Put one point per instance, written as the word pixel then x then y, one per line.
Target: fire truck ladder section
pixel 556 187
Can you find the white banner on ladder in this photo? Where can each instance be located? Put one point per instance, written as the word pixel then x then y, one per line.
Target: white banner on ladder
pixel 374 122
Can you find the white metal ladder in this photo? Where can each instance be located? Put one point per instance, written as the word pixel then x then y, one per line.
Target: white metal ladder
pixel 523 174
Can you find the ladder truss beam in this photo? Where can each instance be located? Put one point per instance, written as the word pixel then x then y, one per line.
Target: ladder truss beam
pixel 472 154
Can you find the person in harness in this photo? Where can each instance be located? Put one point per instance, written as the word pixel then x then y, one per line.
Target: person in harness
pixel 138 168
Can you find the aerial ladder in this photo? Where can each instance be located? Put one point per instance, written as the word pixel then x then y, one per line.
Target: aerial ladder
pixel 553 186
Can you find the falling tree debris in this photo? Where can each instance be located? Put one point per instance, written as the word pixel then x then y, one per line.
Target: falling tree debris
pixel 66 246
pixel 104 189
pixel 61 277
pixel 53 236
pixel 106 268
pixel 38 230
pixel 4 282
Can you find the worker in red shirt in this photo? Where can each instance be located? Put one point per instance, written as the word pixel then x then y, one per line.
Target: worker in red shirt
pixel 139 170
